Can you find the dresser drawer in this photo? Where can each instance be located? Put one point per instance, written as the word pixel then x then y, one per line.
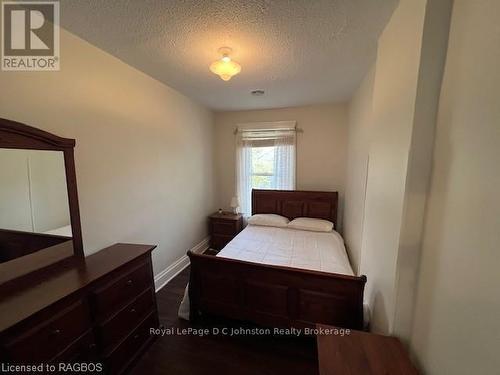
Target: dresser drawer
pixel 117 327
pixel 124 354
pixel 50 337
pixel 82 350
pixel 224 227
pixel 111 297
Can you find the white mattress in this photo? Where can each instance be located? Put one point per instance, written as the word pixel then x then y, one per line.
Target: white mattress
pixel 62 231
pixel 317 251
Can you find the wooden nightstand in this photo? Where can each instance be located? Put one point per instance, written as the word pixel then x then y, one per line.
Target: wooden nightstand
pixel 223 228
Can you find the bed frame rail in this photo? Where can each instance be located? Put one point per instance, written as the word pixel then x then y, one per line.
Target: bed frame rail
pixel 274 296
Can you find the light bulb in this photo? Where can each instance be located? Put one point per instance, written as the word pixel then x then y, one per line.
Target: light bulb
pixel 225 67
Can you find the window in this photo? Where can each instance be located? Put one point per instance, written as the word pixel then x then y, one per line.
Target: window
pixel 265 160
pixel 262 172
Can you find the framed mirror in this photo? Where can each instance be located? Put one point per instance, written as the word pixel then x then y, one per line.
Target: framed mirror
pixel 39 214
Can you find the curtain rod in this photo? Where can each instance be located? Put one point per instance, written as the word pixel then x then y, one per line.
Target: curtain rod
pixel 296 130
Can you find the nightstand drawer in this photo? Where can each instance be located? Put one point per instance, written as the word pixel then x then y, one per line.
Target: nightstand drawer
pixel 218 241
pixel 224 227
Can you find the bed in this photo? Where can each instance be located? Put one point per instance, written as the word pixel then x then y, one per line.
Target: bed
pixel 281 277
pixel 307 250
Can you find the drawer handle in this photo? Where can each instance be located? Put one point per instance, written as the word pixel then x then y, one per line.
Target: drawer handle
pixel 129 282
pixel 132 311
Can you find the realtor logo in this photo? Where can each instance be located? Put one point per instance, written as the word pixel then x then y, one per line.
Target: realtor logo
pixel 30 35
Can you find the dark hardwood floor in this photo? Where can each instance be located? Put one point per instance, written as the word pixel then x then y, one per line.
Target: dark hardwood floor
pixel 219 354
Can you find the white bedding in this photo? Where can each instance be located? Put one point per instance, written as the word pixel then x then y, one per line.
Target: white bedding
pixel 318 251
pixel 62 231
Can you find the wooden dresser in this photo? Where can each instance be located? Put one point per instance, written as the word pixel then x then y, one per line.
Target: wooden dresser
pixel 97 310
pixel 223 228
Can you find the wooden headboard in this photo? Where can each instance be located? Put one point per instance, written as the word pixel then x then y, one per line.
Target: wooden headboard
pixel 293 203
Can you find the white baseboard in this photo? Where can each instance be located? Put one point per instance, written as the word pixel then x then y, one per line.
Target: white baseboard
pixel 202 246
pixel 164 277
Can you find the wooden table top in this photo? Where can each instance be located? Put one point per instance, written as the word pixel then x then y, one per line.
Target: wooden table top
pixel 361 353
pixel 225 215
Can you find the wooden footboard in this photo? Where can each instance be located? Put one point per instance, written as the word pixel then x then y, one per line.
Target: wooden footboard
pixel 274 296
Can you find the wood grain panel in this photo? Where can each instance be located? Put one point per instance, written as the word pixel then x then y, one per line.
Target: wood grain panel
pixel 223 227
pixel 15 244
pixel 273 295
pixel 131 347
pixel 293 209
pixel 319 210
pixel 218 288
pixel 293 204
pixel 120 291
pixel 316 306
pixel 30 345
pixel 115 329
pixel 266 205
pixel 361 353
pixel 266 298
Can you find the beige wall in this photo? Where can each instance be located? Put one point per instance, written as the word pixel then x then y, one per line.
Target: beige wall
pixel 144 152
pixel 456 328
pixel 360 126
pixel 321 147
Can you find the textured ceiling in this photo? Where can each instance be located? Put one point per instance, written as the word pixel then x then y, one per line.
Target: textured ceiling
pixel 298 51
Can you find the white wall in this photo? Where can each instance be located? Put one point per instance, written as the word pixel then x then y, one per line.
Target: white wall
pixel 360 126
pixel 49 193
pixel 144 153
pixel 33 193
pixel 456 328
pixel 392 119
pixel 432 61
pixel 452 325
pixel 321 147
pixel 15 208
pixel 394 95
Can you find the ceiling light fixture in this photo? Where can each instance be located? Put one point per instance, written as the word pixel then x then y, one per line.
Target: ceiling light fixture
pixel 225 68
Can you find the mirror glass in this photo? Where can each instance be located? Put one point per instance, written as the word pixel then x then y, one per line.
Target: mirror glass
pixel 34 209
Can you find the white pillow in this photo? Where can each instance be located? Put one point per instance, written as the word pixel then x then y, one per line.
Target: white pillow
pixel 268 220
pixel 308 223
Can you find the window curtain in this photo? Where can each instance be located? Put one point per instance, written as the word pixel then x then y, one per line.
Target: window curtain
pixel 284 143
pixel 284 161
pixel 244 174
